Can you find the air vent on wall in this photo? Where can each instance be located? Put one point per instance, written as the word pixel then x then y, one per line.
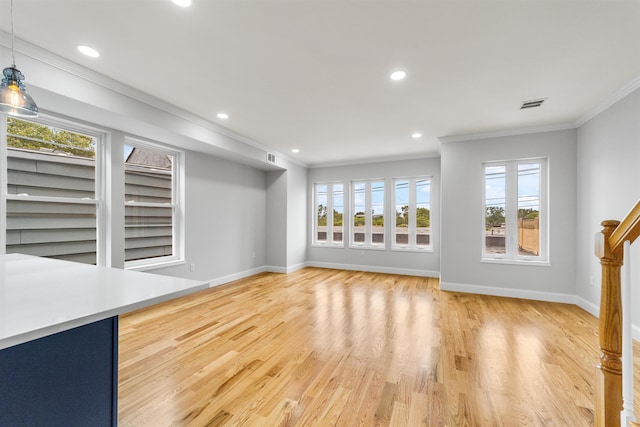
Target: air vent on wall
pixel 532 103
pixel 271 157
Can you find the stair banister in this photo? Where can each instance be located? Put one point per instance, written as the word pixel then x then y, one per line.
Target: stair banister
pixel 610 249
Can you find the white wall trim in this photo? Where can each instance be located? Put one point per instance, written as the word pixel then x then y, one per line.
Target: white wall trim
pixel 428 155
pixel 285 270
pixel 506 132
pixel 508 292
pixel 635 332
pixel 588 306
pixel 236 276
pixel 609 101
pixel 375 269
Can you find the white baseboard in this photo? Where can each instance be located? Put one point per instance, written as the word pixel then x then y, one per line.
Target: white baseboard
pixel 588 306
pixel 508 292
pixel 236 276
pixel 375 269
pixel 635 332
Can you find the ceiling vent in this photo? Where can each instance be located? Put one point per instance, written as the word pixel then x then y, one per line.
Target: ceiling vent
pixel 532 103
pixel 271 157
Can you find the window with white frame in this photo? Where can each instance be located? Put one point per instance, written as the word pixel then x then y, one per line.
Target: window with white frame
pixel 412 200
pixel 515 210
pixel 367 210
pixel 53 194
pixel 153 204
pixel 329 211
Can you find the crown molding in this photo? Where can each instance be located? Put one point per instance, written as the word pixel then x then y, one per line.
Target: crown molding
pixel 374 160
pixel 51 59
pixel 506 132
pixel 609 101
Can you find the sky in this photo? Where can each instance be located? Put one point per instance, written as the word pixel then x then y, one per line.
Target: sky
pixel 528 186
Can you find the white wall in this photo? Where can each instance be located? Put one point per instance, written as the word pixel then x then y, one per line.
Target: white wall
pixel 462 207
pixel 608 187
pixel 225 220
pixel 402 262
pixel 276 221
pixel 297 217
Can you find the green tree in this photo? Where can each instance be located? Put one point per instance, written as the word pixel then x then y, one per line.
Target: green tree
pixel 337 217
pixel 402 217
pixel 494 216
pixel 322 214
pixel 40 136
pixel 358 218
pixel 528 213
pixel 423 217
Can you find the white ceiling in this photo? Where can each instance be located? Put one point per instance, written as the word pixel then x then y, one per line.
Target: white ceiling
pixel 314 74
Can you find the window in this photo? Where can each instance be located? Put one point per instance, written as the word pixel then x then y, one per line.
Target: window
pixel 329 209
pixel 412 198
pixel 53 193
pixel 367 202
pixel 153 208
pixel 515 210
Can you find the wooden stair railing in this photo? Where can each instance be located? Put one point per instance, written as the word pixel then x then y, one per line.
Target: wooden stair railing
pixel 609 248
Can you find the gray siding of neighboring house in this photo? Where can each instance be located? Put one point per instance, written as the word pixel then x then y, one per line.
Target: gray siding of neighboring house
pixel 68 230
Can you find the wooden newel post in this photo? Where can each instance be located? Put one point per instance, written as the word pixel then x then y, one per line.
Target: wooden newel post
pixel 609 393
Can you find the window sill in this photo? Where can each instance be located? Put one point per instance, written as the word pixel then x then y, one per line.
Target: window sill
pixel 420 250
pixel 372 248
pixel 151 264
pixel 328 245
pixel 532 263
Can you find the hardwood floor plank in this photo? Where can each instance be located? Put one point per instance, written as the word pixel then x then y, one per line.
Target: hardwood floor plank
pixel 327 347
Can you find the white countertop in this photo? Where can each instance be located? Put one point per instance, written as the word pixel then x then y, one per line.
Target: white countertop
pixel 42 296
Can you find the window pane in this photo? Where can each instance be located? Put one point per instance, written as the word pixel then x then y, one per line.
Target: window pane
pixel 149 181
pixel 47 161
pixel 377 212
pixel 338 211
pixel 402 212
pixel 148 176
pixel 495 209
pixel 359 207
pixel 148 232
pixel 52 229
pixel 423 212
pixel 529 209
pixel 321 214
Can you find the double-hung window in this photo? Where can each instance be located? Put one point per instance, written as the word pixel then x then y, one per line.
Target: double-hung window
pixel 153 204
pixel 53 193
pixel 412 200
pixel 367 209
pixel 515 210
pixel 329 211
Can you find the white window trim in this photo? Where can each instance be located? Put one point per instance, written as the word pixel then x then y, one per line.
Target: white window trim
pixel 99 178
pixel 412 245
pixel 367 244
pixel 178 206
pixel 511 255
pixel 329 243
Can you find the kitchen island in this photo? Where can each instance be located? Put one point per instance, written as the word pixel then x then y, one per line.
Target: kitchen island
pixel 59 337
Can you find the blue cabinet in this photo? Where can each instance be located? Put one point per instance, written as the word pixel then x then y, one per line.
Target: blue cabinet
pixel 66 379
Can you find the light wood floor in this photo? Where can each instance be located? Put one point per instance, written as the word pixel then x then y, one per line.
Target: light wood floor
pixel 328 347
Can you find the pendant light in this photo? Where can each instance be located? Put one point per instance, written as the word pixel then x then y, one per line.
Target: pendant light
pixel 14 99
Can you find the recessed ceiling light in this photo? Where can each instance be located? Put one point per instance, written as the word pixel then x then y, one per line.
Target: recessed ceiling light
pixel 416 135
pixel 89 51
pixel 295 150
pixel 398 75
pixel 182 3
pixel 223 116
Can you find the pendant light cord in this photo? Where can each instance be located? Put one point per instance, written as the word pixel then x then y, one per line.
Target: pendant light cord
pixel 13 55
